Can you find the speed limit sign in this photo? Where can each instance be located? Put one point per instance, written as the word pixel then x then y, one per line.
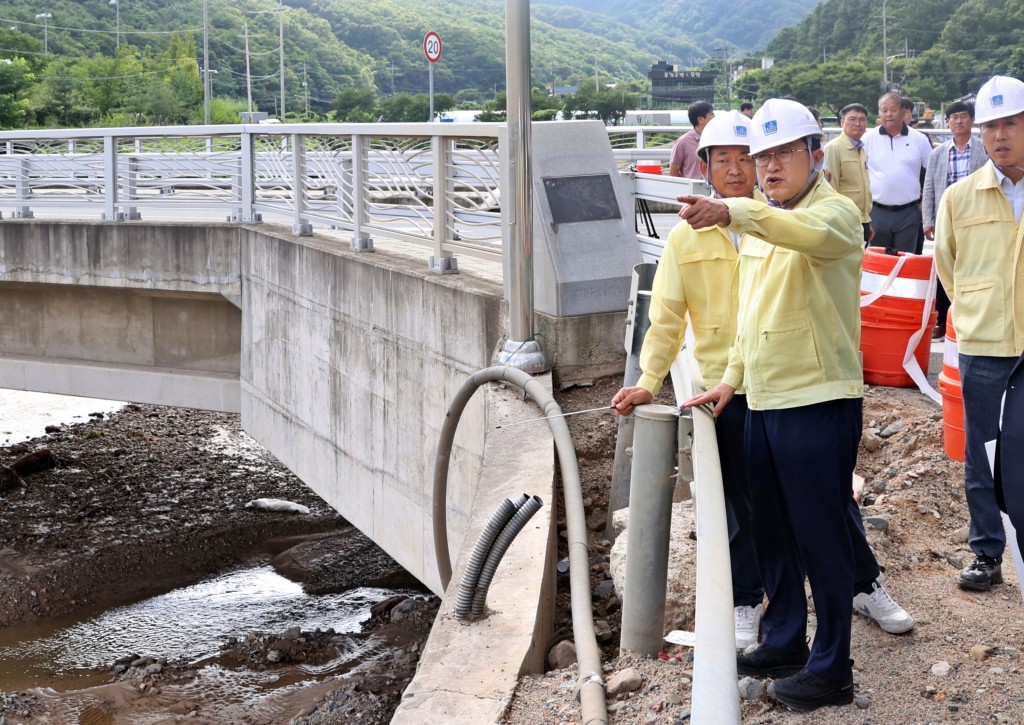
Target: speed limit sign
pixel 432 46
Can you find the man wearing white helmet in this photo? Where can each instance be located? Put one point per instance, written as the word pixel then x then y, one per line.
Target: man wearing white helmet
pixel 695 268
pixel 696 275
pixel 798 335
pixel 978 257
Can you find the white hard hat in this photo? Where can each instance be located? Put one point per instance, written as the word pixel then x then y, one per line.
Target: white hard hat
pixel 729 128
pixel 780 121
pixel 1000 97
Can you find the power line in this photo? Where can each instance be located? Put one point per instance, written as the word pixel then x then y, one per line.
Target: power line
pixel 118 78
pixel 101 32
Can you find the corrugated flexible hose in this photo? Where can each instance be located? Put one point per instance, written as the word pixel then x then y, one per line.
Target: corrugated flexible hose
pixel 590 683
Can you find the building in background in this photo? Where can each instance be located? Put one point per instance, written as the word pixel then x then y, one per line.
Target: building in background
pixel 674 87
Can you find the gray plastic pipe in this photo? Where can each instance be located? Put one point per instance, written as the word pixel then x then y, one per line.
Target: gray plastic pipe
pixel 638 322
pixel 650 519
pixel 715 694
pixel 590 682
pixel 506 510
pixel 498 549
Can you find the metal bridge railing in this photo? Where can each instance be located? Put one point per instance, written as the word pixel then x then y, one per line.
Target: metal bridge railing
pixel 431 184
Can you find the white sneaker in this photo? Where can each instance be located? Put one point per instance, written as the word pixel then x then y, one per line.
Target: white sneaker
pixel 748 624
pixel 879 606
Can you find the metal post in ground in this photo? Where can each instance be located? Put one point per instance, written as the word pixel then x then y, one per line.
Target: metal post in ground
pixel 650 518
pixel 520 349
pixel 638 321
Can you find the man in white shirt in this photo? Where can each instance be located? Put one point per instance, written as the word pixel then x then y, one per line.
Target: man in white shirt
pixel 897 159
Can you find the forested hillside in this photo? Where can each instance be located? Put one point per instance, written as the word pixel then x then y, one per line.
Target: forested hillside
pixel 71 71
pixel 743 25
pixel 937 51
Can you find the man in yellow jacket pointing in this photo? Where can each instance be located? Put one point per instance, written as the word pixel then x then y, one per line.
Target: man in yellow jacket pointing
pixel 798 334
pixel 697 278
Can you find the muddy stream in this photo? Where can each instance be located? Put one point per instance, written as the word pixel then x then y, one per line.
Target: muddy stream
pixel 187 655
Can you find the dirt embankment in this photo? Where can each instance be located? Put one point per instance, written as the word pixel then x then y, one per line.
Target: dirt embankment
pixel 962 661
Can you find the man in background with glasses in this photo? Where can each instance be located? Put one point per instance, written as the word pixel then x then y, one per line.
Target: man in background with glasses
pixel 798 334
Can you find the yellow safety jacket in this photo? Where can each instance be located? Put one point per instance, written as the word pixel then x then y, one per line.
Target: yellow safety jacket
pixel 696 274
pixel 978 258
pixel 798 330
pixel 848 166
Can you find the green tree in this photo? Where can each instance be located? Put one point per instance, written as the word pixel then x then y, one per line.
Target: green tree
pixel 825 85
pixel 412 108
pixel 356 105
pixel 16 79
pixel 608 104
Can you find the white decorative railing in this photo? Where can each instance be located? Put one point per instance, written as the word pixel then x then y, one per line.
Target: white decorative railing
pixel 432 184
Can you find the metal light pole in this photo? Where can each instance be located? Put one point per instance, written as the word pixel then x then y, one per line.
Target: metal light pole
pixel 206 62
pixel 46 37
pixel 520 350
pixel 280 32
pixel 117 32
pixel 248 74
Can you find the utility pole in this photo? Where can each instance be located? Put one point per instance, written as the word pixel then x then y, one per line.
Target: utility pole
pixel 206 62
pixel 280 34
pixel 885 47
pixel 117 26
pixel 248 74
pixel 597 88
pixel 305 88
pixel 726 62
pixel 45 17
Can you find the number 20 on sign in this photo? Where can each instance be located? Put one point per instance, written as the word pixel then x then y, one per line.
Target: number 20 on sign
pixel 432 46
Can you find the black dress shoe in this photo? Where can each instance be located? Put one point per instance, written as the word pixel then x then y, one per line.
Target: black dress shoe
pixel 938 332
pixel 808 691
pixel 766 661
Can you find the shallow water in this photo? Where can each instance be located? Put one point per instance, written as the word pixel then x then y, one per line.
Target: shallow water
pixel 190 624
pixel 65 663
pixel 25 415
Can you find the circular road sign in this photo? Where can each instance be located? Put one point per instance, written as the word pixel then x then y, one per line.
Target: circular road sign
pixel 432 46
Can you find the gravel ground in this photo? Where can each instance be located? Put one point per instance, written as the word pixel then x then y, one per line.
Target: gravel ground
pixel 961 663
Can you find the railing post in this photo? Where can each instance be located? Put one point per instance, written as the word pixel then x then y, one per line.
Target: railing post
pixel 300 225
pixel 650 519
pixel 442 261
pixel 361 239
pixel 247 181
pixel 110 212
pixel 23 190
pixel 131 182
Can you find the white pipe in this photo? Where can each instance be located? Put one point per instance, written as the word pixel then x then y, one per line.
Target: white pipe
pixel 715 694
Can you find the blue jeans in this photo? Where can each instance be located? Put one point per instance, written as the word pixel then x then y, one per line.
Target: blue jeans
pixel 983 380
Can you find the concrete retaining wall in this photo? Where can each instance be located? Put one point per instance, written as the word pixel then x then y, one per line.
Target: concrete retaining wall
pixel 349 363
